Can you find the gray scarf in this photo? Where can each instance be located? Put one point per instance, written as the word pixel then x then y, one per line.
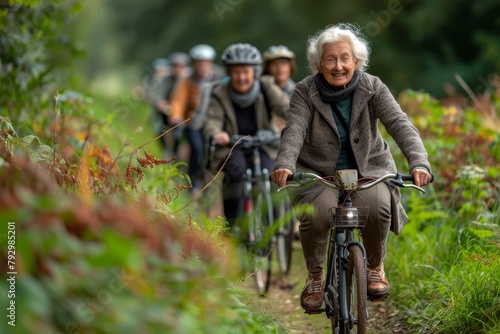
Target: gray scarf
pixel 289 86
pixel 331 94
pixel 244 100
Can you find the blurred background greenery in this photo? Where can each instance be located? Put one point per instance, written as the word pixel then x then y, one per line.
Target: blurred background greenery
pixel 105 48
pixel 416 44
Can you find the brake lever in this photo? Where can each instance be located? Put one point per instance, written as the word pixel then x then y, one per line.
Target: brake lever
pixel 291 185
pixel 414 187
pixel 296 184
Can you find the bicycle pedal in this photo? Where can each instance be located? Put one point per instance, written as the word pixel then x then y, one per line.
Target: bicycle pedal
pixel 313 312
pixel 377 299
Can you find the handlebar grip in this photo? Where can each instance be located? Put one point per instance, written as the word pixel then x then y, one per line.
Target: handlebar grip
pixel 409 177
pixel 299 176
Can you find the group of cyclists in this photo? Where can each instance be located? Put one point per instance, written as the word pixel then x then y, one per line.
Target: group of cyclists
pixel 249 93
pixel 328 122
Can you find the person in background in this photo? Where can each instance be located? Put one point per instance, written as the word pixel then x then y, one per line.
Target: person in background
pixel 185 103
pixel 279 61
pixel 152 87
pixel 332 124
pixel 241 106
pixel 161 97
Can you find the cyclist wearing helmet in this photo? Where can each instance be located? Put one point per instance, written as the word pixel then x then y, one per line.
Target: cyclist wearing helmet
pixel 153 86
pixel 161 100
pixel 241 106
pixel 279 62
pixel 185 102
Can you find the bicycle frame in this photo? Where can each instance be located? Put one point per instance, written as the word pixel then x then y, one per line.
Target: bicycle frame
pixel 254 177
pixel 258 209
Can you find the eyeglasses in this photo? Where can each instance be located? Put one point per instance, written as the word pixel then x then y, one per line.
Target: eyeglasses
pixel 332 62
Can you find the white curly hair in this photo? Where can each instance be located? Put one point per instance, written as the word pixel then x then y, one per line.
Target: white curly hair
pixel 348 32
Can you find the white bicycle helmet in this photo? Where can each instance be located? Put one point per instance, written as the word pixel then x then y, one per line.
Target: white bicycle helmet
pixel 278 51
pixel 241 54
pixel 202 52
pixel 179 58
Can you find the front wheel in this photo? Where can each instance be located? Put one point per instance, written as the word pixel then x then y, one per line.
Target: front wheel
pixel 356 291
pixel 261 228
pixel 286 234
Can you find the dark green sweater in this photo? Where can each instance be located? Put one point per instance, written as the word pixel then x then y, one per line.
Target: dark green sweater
pixel 346 159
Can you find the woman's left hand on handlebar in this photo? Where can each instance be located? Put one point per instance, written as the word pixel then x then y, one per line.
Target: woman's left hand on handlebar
pixel 421 177
pixel 221 138
pixel 279 176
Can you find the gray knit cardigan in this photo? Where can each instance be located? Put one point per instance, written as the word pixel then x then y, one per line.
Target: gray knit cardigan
pixel 311 142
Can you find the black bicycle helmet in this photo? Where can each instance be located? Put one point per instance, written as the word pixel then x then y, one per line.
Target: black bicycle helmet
pixel 241 54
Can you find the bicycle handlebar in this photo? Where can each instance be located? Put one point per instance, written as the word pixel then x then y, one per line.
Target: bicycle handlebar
pixel 395 178
pixel 259 139
pixel 262 137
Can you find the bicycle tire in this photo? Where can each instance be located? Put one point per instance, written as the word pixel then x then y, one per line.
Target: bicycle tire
pixel 356 291
pixel 331 297
pixel 262 221
pixel 242 250
pixel 285 236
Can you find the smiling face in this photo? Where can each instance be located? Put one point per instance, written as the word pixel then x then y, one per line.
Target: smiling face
pixel 337 63
pixel 280 69
pixel 241 78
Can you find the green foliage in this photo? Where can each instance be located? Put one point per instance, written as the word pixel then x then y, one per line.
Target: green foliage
pixel 447 261
pixel 469 297
pixel 112 263
pixel 13 144
pixel 114 286
pixel 35 44
pixel 444 267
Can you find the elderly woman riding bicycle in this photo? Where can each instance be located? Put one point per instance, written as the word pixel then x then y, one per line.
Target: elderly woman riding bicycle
pixel 332 124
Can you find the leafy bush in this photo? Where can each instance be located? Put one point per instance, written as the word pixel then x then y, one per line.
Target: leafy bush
pixel 444 266
pixel 113 264
pixel 35 47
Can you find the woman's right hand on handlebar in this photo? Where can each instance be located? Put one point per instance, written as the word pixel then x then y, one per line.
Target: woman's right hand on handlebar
pixel 421 177
pixel 279 176
pixel 221 138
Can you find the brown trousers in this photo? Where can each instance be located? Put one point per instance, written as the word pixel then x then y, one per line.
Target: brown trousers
pixel 315 229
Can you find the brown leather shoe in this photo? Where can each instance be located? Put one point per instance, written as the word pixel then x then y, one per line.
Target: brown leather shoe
pixel 311 298
pixel 378 286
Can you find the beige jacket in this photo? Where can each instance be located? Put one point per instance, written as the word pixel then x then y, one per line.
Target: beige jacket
pixel 310 140
pixel 221 115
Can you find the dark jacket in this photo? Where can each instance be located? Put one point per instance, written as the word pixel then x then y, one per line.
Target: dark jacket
pixel 311 141
pixel 221 115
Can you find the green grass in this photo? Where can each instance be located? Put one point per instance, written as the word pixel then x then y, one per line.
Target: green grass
pixel 444 274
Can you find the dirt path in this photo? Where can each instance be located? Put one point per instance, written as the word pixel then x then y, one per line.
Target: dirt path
pixel 283 302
